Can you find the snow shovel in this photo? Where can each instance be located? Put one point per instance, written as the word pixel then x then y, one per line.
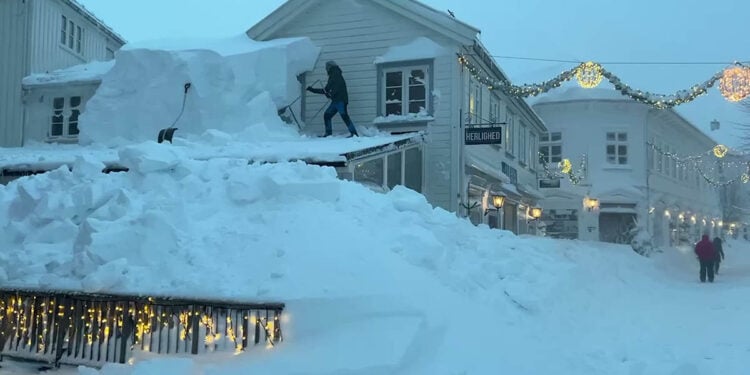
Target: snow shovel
pixel 167 133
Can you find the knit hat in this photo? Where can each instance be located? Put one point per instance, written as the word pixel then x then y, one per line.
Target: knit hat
pixel 330 64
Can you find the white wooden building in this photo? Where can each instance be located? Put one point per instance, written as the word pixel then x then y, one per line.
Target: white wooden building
pixel 626 181
pixel 400 62
pixel 39 36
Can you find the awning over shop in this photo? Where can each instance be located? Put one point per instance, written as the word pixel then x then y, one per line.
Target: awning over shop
pixel 486 168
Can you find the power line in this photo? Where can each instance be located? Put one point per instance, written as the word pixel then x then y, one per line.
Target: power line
pixel 624 62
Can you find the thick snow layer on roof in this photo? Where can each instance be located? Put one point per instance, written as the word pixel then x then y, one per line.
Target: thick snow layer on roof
pixel 417 49
pixel 83 73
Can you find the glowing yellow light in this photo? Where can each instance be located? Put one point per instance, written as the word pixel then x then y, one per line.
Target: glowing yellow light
pixel 589 75
pixel 565 166
pixel 735 83
pixel 720 151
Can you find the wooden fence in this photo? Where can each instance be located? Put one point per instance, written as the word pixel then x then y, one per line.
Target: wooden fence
pixel 91 329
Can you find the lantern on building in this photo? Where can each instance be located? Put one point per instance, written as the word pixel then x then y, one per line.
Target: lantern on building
pixel 589 75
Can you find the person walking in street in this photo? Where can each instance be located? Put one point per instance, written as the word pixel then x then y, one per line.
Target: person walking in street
pixel 719 254
pixel 336 91
pixel 706 255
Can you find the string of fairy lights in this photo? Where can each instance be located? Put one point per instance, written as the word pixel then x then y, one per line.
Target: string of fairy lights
pixel 734 83
pixel 713 162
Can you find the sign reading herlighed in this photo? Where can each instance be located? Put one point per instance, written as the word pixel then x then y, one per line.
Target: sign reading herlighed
pixel 484 136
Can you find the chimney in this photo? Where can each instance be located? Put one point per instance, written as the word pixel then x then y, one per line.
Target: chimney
pixel 715 125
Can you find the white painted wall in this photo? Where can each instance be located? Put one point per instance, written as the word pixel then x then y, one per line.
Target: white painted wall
pixel 15 16
pixel 30 30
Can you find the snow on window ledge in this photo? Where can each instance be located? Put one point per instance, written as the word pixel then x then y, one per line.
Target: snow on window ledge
pixel 410 118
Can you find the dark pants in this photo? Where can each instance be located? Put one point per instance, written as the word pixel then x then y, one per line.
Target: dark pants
pixel 340 108
pixel 707 267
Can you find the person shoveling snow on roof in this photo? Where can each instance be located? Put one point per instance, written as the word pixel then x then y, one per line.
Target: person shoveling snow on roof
pixel 336 91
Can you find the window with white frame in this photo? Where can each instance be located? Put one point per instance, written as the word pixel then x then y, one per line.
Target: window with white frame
pixel 522 143
pixel 475 103
pixel 533 147
pixel 398 168
pixel 510 132
pixel 494 110
pixel 550 148
pixel 71 35
pixel 405 90
pixel 64 119
pixel 617 148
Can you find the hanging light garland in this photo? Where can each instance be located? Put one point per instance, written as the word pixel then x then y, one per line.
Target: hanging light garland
pixel 564 169
pixel 734 85
pixel 697 162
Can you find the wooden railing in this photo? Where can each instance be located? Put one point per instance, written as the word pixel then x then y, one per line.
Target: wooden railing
pixel 91 329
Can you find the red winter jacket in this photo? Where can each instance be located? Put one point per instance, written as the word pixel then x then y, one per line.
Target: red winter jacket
pixel 705 249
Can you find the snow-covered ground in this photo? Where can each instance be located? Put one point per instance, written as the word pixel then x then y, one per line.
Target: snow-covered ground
pixel 373 283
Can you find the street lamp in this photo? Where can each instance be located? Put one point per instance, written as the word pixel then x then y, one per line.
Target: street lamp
pixel 497 201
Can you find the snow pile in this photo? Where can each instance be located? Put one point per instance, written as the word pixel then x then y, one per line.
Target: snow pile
pixel 235 86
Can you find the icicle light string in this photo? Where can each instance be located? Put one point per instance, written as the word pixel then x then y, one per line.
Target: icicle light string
pixel 734 84
pixel 696 162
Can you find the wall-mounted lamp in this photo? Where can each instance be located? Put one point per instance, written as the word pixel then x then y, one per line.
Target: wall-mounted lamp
pixel 497 201
pixel 535 213
pixel 590 203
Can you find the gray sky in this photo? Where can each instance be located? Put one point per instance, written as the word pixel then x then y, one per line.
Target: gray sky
pixel 694 31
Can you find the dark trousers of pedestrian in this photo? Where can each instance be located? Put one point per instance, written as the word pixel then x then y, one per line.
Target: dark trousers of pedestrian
pixel 716 267
pixel 340 108
pixel 707 268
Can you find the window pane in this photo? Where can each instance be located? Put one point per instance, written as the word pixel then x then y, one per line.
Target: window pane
pixel 71 31
pixel 543 154
pixel 393 95
pixel 416 106
pixel 413 170
pixel 394 170
pixel 393 109
pixel 610 150
pixel 417 77
pixel 73 122
pixel 622 137
pixel 393 79
pixel 78 40
pixel 417 93
pixel 63 34
pixel 610 136
pixel 370 172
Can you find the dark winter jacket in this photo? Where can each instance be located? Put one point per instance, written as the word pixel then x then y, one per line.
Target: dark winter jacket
pixel 705 249
pixel 336 87
pixel 718 249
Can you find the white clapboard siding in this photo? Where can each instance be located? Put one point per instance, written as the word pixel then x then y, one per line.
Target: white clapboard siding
pixel 30 42
pixel 14 20
pixel 354 36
